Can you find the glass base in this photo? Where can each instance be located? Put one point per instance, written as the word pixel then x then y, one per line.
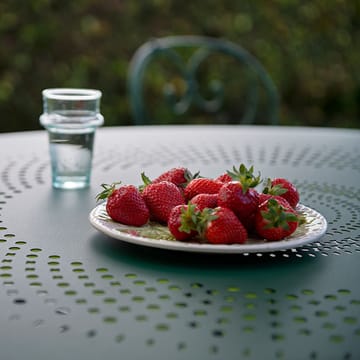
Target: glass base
pixel 66 182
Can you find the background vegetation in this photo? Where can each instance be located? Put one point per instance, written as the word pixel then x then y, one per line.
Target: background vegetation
pixel 309 47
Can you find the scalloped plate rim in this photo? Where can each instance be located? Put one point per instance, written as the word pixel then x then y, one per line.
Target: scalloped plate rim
pixel 107 227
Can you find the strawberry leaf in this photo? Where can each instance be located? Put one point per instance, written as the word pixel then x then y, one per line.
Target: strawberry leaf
pixel 189 176
pixel 274 189
pixel 277 216
pixel 108 190
pixel 146 181
pixel 245 176
pixel 204 218
pixel 188 218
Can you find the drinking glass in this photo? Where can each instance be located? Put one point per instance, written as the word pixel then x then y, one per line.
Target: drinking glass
pixel 71 117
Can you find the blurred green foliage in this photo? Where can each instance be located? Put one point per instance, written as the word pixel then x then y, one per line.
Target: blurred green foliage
pixel 310 49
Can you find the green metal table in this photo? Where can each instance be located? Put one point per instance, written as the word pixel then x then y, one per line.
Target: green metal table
pixel 70 292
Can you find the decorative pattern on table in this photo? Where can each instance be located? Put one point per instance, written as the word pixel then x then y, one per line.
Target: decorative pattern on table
pixel 202 154
pixel 157 306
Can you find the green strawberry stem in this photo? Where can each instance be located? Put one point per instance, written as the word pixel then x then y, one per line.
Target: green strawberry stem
pixel 203 219
pixel 108 190
pixel 273 189
pixel 277 216
pixel 189 218
pixel 189 176
pixel 245 176
pixel 146 181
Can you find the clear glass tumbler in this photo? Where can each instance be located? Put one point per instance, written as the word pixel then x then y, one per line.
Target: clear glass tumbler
pixel 71 117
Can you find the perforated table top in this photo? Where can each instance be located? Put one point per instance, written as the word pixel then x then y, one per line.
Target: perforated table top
pixel 70 292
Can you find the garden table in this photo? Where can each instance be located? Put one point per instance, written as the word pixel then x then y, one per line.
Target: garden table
pixel 69 291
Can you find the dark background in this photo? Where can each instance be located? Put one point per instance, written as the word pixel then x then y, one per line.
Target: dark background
pixel 310 49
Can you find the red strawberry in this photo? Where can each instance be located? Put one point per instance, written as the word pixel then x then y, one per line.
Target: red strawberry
pixel 180 176
pixel 275 220
pixel 125 204
pixel 240 197
pixel 182 222
pixel 221 226
pixel 286 189
pixel 203 201
pixel 263 197
pixel 224 178
pixel 243 204
pixel 160 198
pixel 201 186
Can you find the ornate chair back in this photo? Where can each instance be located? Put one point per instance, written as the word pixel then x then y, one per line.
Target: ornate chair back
pixel 186 63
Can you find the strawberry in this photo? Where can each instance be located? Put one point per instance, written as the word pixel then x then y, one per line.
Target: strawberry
pixel 182 222
pixel 160 198
pixel 224 178
pixel 125 204
pixel 275 220
pixel 201 186
pixel 203 201
pixel 180 176
pixel 286 189
pixel 240 197
pixel 263 197
pixel 221 226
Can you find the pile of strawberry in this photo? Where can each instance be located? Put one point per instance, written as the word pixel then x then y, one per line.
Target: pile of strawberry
pixel 222 210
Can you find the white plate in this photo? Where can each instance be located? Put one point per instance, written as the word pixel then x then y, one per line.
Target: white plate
pixel 155 235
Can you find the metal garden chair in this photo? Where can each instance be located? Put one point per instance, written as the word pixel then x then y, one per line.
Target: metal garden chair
pixel 183 90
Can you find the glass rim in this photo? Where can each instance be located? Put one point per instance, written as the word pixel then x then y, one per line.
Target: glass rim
pixel 71 94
